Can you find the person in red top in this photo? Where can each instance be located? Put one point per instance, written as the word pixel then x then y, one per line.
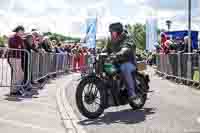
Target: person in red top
pixel 85 56
pixel 82 59
pixel 16 43
pixel 163 38
pixel 165 43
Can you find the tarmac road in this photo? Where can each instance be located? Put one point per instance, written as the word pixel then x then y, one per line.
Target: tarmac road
pixel 171 108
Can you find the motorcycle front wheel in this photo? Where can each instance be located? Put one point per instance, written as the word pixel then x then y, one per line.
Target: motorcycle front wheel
pixel 90 98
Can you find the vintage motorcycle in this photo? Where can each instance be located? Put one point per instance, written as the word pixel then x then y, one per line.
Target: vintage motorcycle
pixel 104 88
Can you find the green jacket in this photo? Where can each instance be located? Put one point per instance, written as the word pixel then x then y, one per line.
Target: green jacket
pixel 125 48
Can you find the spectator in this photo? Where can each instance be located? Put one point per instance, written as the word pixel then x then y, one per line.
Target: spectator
pixel 14 60
pixel 82 56
pixel 180 45
pixel 163 38
pixel 86 53
pixel 164 48
pixel 62 47
pixel 28 45
pixel 172 45
pixel 52 47
pixel 60 56
pixel 76 56
pixel 186 45
pixel 59 48
pixel 68 48
pixel 54 43
pixel 166 45
pixel 36 37
pixel 45 44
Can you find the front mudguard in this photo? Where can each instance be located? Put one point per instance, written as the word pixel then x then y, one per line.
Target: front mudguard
pixel 91 76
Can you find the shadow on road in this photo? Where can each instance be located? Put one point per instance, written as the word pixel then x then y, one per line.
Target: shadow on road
pixel 30 94
pixel 13 98
pixel 124 117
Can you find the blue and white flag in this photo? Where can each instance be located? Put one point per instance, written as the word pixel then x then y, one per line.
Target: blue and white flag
pixel 91 33
pixel 151 34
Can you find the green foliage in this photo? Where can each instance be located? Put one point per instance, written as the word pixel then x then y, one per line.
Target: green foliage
pixel 2 42
pixel 59 37
pixel 103 42
pixel 141 53
pixel 138 33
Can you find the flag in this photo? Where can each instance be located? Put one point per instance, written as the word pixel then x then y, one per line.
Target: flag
pixel 91 33
pixel 151 34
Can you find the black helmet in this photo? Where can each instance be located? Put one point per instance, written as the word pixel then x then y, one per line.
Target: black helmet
pixel 116 27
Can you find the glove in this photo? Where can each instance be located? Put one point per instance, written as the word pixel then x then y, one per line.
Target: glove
pixel 123 54
pixel 113 58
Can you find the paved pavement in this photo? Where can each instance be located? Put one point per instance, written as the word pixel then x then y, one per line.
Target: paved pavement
pixel 31 115
pixel 171 108
pixel 5 73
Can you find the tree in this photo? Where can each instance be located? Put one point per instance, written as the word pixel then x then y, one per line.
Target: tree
pixel 102 43
pixel 137 32
pixel 60 37
pixel 2 42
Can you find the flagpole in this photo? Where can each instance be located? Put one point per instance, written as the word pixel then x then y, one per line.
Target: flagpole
pixel 189 26
pixel 189 62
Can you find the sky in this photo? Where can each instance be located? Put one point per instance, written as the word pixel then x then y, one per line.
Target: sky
pixel 69 16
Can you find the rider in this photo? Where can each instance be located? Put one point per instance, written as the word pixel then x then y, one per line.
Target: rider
pixel 125 50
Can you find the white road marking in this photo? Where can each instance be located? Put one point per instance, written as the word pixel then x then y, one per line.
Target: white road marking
pixel 71 113
pixel 198 120
pixel 69 117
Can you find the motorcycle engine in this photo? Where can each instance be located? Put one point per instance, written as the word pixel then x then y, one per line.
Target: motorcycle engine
pixel 123 96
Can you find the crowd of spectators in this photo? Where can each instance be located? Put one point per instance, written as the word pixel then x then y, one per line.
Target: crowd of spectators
pixel 34 41
pixel 170 45
pixel 176 45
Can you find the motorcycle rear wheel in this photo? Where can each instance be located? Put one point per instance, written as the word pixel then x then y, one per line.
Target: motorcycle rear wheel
pixel 135 106
pixel 80 100
pixel 141 92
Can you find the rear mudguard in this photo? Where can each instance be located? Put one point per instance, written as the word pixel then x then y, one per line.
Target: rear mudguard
pixel 145 79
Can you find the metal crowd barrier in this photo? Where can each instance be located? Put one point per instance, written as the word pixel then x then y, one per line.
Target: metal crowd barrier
pixel 18 67
pixel 184 66
pixel 84 63
pixel 44 64
pixel 14 67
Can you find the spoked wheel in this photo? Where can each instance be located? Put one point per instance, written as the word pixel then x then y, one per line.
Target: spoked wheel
pixel 90 98
pixel 141 93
